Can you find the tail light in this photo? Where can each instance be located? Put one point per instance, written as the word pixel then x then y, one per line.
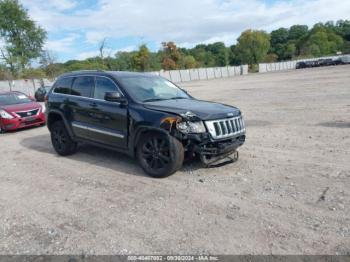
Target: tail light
pixel 45 99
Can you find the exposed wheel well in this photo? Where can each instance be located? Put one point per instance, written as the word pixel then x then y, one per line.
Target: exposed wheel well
pixel 145 132
pixel 52 118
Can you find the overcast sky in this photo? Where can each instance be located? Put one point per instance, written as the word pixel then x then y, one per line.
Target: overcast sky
pixel 75 27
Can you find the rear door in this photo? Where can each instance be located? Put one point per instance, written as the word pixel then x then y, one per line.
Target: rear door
pixel 109 119
pixel 80 105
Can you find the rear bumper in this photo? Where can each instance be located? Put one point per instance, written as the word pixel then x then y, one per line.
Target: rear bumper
pixel 18 123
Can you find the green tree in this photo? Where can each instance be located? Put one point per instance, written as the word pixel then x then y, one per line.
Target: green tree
pixel 252 46
pixel 188 62
pixel 124 61
pixel 141 59
pixel 322 41
pixel 23 38
pixel 279 42
pixel 219 52
pixel 297 32
pixel 279 36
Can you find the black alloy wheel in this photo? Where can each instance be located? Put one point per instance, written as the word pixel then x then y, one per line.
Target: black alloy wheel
pixel 160 155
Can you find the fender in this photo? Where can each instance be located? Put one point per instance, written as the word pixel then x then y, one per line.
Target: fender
pixel 57 112
pixel 134 140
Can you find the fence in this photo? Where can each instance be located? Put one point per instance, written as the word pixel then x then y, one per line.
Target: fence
pixel 179 76
pixel 287 65
pixel 29 86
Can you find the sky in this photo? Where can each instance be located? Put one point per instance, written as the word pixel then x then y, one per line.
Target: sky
pixel 77 27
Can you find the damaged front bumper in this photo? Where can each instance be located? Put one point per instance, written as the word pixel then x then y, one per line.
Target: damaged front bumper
pixel 211 151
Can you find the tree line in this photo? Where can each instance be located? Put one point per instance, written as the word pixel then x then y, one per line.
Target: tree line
pixel 24 40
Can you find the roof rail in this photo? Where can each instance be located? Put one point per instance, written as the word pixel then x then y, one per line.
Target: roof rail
pixel 96 70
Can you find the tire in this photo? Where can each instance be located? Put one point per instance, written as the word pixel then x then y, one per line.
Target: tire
pixel 61 141
pixel 159 155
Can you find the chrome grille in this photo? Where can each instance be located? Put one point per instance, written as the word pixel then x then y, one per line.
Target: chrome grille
pixel 28 113
pixel 223 128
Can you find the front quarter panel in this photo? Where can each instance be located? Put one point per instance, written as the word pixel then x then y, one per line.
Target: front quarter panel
pixel 143 119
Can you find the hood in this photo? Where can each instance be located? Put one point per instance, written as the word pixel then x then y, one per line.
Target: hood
pixel 20 107
pixel 202 109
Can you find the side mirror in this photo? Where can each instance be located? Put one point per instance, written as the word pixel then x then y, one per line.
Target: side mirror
pixel 115 97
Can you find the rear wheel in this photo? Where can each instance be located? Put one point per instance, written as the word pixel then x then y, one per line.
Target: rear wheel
pixel 61 141
pixel 160 155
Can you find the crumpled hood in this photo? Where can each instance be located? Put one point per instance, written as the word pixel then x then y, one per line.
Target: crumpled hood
pixel 202 109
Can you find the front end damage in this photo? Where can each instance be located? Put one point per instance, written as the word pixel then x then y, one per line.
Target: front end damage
pixel 217 144
pixel 212 152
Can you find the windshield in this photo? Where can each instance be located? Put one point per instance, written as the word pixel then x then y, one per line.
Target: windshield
pixel 147 89
pixel 13 99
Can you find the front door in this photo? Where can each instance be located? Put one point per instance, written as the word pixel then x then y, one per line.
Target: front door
pixel 109 120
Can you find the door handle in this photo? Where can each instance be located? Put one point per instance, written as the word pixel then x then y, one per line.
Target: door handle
pixel 93 104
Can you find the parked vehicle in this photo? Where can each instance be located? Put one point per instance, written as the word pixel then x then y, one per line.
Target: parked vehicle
pixel 301 65
pixel 341 60
pixel 145 116
pixel 17 111
pixel 345 59
pixel 41 93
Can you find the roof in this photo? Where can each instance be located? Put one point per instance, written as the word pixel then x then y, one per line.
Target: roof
pixel 106 73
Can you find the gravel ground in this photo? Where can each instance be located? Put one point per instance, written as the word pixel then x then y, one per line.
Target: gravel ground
pixel 287 194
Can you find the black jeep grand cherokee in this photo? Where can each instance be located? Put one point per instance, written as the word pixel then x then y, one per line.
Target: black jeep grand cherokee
pixel 142 115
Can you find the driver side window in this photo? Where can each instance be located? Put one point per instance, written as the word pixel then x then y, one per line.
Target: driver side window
pixel 104 85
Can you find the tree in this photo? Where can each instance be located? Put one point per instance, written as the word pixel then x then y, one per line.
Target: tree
pixel 23 38
pixel 203 56
pixel 322 41
pixel 171 56
pixel 141 59
pixel 48 63
pixel 188 62
pixel 101 49
pixel 252 46
pixel 279 36
pixel 219 52
pixel 343 28
pixel 124 61
pixel 296 32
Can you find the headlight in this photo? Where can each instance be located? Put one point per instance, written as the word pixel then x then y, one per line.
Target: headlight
pixel 43 108
pixel 5 115
pixel 191 127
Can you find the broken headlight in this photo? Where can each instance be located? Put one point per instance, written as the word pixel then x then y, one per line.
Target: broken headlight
pixel 188 127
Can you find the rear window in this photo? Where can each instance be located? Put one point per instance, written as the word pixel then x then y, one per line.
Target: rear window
pixel 83 86
pixel 63 86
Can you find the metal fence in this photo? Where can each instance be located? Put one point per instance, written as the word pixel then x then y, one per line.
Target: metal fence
pixel 29 86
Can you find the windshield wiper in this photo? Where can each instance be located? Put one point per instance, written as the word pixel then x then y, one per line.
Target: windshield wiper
pixel 178 97
pixel 153 100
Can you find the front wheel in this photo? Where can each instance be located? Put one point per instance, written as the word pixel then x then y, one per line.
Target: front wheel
pixel 160 155
pixel 61 141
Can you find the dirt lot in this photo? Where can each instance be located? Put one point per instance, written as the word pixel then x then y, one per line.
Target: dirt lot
pixel 288 193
